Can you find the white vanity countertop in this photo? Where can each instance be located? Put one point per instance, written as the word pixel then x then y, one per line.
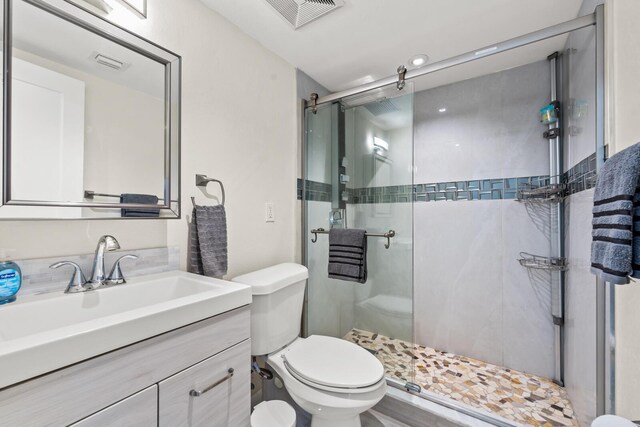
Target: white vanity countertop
pixel 42 333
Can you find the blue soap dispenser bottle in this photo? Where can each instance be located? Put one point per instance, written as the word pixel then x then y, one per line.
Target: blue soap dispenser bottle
pixel 10 279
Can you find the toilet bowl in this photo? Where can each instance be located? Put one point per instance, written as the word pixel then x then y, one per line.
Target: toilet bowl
pixel 332 379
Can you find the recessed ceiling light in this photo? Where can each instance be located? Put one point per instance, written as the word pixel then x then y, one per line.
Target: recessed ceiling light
pixel 418 60
pixel 442 110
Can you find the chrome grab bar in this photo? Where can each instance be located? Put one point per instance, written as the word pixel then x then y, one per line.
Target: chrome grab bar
pixel 198 393
pixel 388 235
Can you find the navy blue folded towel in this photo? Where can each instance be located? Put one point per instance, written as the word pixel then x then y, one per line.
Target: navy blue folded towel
pixel 615 250
pixel 142 199
pixel 348 254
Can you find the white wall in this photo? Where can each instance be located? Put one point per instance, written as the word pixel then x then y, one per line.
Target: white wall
pixel 238 125
pixel 623 63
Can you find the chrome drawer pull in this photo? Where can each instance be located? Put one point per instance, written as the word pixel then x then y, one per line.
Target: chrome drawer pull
pixel 196 393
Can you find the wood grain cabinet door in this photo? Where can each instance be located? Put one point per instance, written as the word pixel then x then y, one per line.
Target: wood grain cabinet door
pixel 139 410
pixel 214 393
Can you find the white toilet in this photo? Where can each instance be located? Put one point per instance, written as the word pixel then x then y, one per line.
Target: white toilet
pixel 332 379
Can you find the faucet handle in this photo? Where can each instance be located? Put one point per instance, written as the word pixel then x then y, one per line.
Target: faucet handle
pixel 116 277
pixel 78 281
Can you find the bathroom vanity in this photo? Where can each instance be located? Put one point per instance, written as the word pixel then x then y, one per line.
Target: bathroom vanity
pixel 180 356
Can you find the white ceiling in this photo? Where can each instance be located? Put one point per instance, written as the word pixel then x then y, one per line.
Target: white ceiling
pixel 367 39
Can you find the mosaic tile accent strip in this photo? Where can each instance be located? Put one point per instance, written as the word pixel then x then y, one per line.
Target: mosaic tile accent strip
pixel 579 178
pixel 316 191
pixel 479 189
pixel 517 396
pixel 38 278
pixel 582 176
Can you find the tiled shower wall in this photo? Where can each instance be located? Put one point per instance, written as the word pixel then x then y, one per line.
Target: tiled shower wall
pixel 472 297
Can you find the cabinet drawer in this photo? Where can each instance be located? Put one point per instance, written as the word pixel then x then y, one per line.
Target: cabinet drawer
pixel 139 410
pixel 224 399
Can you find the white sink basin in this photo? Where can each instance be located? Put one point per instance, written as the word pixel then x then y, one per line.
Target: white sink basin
pixel 42 333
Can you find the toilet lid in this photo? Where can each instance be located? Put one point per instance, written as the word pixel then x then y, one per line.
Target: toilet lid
pixel 333 362
pixel 273 413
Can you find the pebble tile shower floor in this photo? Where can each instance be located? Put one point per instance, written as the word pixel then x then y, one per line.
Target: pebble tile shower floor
pixel 517 396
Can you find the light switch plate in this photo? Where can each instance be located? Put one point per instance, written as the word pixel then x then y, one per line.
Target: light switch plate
pixel 269 212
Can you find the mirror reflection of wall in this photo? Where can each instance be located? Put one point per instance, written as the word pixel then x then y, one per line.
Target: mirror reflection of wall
pixel 88 114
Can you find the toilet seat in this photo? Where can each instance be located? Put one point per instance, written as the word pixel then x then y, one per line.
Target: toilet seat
pixel 333 365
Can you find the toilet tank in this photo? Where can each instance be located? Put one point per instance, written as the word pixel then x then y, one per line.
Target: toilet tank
pixel 276 310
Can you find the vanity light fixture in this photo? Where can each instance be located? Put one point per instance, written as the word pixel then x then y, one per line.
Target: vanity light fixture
pixel 101 5
pixel 380 145
pixel 442 110
pixel 419 60
pixel 137 7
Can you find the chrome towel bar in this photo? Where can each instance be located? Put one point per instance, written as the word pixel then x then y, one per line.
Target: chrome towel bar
pixel 388 235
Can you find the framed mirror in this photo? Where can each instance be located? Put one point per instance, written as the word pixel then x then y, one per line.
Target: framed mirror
pixel 91 117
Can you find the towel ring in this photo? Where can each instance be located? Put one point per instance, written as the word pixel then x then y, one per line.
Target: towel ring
pixel 202 181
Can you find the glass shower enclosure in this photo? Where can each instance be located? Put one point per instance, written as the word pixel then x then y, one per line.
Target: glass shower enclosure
pixel 358 173
pixel 482 298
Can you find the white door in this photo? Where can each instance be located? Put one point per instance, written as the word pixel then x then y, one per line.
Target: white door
pixel 47 150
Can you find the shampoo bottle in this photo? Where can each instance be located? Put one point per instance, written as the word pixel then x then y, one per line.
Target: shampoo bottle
pixel 10 280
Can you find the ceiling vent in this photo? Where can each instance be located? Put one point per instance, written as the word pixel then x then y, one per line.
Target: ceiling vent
pixel 301 12
pixel 382 106
pixel 109 62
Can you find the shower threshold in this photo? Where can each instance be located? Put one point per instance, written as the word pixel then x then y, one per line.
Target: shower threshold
pixel 511 395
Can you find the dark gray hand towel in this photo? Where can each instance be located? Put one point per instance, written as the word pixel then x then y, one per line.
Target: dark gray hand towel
pixel 348 255
pixel 143 199
pixel 615 251
pixel 208 241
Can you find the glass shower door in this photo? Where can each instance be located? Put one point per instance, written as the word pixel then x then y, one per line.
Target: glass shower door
pixel 359 174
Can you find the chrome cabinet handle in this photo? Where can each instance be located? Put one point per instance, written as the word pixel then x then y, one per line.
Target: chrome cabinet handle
pixel 197 393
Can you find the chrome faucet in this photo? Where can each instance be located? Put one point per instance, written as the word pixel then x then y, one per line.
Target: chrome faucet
pixel 98 275
pixel 98 278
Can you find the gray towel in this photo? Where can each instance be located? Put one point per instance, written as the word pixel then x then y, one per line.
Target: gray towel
pixel 615 251
pixel 348 255
pixel 208 241
pixel 143 199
